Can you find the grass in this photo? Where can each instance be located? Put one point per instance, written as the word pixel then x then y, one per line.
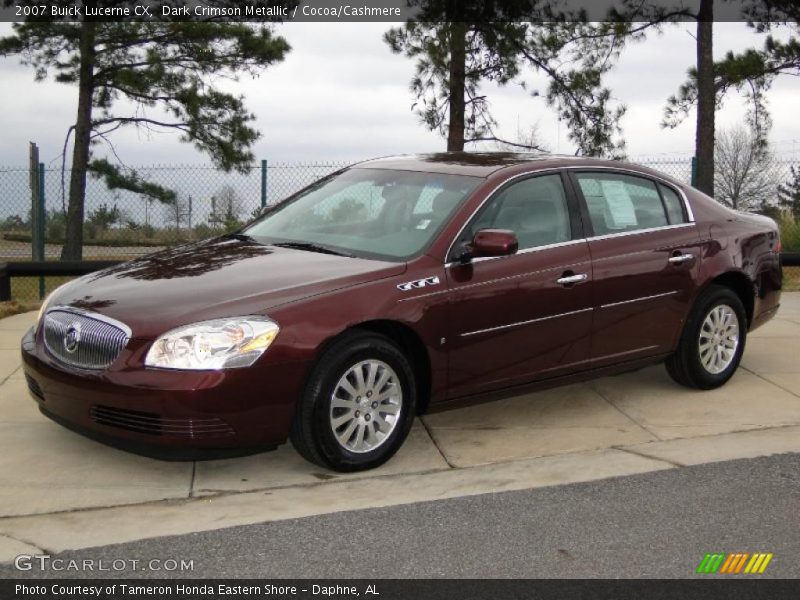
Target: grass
pixel 8 309
pixel 791 279
pixel 790 234
pixel 26 289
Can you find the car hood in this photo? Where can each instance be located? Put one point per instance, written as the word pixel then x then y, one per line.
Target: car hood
pixel 216 278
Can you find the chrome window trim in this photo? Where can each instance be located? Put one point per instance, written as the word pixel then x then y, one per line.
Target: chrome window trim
pixel 638 231
pixel 640 299
pixel 90 315
pixel 663 181
pixel 522 323
pixel 525 251
pixel 623 170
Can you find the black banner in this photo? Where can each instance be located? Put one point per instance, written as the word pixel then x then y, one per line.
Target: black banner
pixel 382 589
pixel 331 11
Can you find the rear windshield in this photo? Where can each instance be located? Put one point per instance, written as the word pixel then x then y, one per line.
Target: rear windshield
pixel 370 213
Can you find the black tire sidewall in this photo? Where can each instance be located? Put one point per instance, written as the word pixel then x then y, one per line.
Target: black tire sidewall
pixel 336 362
pixel 713 298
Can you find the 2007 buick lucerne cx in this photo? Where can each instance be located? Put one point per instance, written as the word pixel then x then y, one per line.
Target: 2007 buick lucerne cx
pixel 398 286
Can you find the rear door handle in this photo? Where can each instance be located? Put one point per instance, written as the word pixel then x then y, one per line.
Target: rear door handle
pixel 680 258
pixel 570 279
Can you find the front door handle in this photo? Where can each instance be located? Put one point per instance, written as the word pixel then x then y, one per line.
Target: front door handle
pixel 680 258
pixel 570 279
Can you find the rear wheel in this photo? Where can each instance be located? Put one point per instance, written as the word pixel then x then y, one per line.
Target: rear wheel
pixel 712 342
pixel 358 405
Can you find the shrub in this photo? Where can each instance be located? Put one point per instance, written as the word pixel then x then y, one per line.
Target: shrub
pixel 790 233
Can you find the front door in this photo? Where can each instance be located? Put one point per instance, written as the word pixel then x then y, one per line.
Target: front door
pixel 528 315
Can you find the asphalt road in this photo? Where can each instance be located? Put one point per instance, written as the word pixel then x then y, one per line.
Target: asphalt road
pixel 653 525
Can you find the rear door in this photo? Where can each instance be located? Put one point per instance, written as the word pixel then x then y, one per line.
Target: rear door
pixel 528 315
pixel 645 254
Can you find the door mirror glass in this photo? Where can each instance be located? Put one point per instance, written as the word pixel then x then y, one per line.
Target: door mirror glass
pixel 494 242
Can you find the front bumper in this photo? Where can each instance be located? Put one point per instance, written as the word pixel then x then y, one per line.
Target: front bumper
pixel 168 414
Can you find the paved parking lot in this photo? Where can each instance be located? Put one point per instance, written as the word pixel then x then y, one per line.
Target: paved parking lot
pixel 59 490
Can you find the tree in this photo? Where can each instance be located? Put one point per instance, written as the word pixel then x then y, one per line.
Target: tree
pixel 789 194
pixel 168 70
pixel 104 217
pixel 227 208
pixel 742 180
pixel 757 69
pixel 709 83
pixel 178 212
pixel 459 50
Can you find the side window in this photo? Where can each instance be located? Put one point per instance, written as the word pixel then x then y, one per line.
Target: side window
pixel 619 203
pixel 673 205
pixel 535 209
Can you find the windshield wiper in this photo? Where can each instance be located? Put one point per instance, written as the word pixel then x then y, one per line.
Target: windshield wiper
pixel 311 247
pixel 239 236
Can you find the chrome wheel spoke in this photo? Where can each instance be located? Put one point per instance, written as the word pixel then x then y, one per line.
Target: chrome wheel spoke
pixel 337 422
pixel 389 409
pixel 342 403
pixel 383 426
pixel 344 436
pixel 347 387
pixel 365 406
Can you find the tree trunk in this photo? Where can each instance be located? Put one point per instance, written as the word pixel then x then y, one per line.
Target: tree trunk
pixel 458 67
pixel 706 98
pixel 73 245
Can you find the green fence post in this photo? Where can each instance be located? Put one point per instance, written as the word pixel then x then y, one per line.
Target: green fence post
pixel 42 209
pixel 694 171
pixel 263 183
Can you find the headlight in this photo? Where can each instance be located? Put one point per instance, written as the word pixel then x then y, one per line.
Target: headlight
pixel 217 344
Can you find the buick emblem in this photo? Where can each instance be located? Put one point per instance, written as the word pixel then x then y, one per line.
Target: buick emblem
pixel 72 338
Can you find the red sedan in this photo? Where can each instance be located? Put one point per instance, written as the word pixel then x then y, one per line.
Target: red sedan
pixel 399 286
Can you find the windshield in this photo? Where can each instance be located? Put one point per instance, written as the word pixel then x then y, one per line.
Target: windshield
pixel 370 213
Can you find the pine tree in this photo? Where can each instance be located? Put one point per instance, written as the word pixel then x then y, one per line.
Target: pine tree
pixel 458 48
pixel 168 70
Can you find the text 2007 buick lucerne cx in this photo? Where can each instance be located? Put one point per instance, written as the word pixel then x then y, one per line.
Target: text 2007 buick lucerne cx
pixel 399 286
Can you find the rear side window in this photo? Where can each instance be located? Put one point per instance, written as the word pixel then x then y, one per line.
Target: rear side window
pixel 619 203
pixel 673 205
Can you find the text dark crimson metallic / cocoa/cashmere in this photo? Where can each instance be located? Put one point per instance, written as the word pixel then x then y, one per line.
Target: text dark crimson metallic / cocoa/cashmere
pixel 399 286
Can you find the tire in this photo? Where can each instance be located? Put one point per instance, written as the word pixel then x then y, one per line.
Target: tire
pixel 710 368
pixel 384 411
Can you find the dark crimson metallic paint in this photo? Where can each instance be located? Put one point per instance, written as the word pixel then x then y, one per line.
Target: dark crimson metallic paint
pixel 315 297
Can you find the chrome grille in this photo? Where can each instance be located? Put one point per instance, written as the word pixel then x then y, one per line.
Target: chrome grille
pixel 83 339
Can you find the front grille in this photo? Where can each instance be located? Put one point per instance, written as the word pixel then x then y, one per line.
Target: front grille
pixel 33 387
pixel 84 340
pixel 154 424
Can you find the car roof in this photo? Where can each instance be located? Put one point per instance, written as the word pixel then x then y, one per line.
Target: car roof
pixel 480 164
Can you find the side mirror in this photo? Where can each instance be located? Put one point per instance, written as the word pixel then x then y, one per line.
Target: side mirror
pixel 494 242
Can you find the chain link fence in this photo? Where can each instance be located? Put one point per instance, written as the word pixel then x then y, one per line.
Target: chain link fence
pixel 121 224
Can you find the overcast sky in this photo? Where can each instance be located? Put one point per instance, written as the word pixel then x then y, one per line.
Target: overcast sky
pixel 342 95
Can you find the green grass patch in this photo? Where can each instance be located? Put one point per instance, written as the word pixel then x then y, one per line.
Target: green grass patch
pixel 26 289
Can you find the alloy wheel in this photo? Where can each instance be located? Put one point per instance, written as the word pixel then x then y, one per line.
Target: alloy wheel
pixel 719 339
pixel 365 406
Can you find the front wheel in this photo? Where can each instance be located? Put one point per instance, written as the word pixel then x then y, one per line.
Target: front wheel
pixel 358 405
pixel 712 342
